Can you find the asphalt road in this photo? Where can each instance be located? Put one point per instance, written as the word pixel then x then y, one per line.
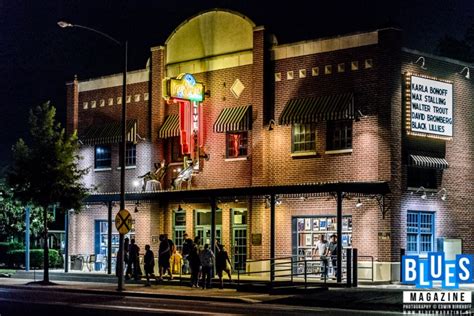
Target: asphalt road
pixel 38 301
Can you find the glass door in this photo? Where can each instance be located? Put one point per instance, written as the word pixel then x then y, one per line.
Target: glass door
pixel 239 239
pixel 203 225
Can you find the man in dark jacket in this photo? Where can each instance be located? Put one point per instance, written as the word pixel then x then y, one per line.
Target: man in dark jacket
pixel 187 246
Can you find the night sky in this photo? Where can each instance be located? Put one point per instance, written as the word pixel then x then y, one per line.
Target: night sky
pixel 37 57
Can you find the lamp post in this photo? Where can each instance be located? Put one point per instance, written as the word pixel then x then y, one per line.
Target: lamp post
pixel 122 143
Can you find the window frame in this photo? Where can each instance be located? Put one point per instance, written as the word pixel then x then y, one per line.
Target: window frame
pixel 109 158
pixel 312 130
pixel 175 147
pixel 344 128
pixel 131 155
pixel 243 144
pixel 179 230
pixel 415 228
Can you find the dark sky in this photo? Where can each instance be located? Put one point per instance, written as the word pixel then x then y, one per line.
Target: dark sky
pixel 37 57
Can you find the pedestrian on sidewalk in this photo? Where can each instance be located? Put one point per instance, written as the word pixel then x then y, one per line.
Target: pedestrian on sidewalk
pixel 207 263
pixel 194 262
pixel 149 264
pixel 321 248
pixel 186 249
pixel 222 264
pixel 134 259
pixel 126 258
pixel 164 255
pixel 332 253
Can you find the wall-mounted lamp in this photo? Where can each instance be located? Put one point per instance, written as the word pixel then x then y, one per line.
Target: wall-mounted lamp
pixel 359 203
pixel 278 200
pixel 468 74
pixel 359 115
pixel 303 198
pixel 180 209
pixel 422 60
pixel 423 196
pixel 443 193
pixel 137 204
pixel 271 125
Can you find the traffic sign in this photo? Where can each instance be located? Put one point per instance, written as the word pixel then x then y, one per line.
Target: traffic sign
pixel 123 221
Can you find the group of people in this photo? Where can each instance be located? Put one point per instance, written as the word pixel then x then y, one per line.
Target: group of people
pixel 197 260
pixel 327 251
pixel 200 261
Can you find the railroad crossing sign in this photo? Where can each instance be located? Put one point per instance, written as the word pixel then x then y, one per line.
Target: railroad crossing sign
pixel 123 221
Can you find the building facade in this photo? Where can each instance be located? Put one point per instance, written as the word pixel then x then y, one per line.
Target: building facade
pixel 355 108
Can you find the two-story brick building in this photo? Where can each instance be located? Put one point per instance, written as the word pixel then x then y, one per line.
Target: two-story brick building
pixel 386 130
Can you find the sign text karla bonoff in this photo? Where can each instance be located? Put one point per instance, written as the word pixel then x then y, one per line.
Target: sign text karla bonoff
pixel 431 106
pixel 424 271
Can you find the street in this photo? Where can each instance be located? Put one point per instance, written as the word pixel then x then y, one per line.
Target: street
pixel 40 301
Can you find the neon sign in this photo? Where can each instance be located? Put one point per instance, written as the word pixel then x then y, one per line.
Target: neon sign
pixel 183 87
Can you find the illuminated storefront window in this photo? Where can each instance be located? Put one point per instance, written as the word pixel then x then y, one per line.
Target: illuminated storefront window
pixel 420 231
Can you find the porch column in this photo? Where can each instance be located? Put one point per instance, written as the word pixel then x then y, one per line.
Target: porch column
pixel 272 237
pixel 339 237
pixel 109 238
pixel 213 224
pixel 66 241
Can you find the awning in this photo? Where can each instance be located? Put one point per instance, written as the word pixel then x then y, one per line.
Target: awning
pixel 170 127
pixel 234 119
pixel 315 109
pixel 109 133
pixel 428 162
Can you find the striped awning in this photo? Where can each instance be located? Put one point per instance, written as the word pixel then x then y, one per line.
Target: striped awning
pixel 170 127
pixel 234 119
pixel 109 133
pixel 315 109
pixel 428 162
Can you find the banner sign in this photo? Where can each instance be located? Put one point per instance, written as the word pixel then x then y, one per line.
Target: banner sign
pixel 429 106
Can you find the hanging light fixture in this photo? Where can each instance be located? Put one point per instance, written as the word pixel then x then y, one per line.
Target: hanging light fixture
pixel 359 203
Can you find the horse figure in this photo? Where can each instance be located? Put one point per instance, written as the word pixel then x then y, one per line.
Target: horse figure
pixel 157 175
pixel 184 175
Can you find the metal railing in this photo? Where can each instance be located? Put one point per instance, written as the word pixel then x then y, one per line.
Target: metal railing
pixel 371 267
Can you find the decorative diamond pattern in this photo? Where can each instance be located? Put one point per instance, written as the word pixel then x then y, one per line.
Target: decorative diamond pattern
pixel 237 88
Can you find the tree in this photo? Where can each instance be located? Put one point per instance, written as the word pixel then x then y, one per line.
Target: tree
pixel 12 216
pixel 46 171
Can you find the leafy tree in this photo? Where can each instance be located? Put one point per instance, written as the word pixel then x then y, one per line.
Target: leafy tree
pixel 12 216
pixel 46 171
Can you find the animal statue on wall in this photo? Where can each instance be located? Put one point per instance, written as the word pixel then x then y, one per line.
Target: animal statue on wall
pixel 157 175
pixel 184 175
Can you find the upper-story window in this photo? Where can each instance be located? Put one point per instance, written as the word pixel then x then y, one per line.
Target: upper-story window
pixel 237 143
pixel 422 177
pixel 131 155
pixel 102 157
pixel 176 154
pixel 339 135
pixel 303 138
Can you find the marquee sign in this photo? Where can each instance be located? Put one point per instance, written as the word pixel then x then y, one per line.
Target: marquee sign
pixel 429 106
pixel 183 87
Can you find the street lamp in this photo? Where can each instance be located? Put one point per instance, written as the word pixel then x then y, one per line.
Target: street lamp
pixel 124 44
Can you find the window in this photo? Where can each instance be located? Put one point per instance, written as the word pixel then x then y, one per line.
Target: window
pixel 203 218
pixel 420 230
pixel 176 154
pixel 236 144
pixel 131 155
pixel 103 157
pixel 339 135
pixel 421 177
pixel 304 138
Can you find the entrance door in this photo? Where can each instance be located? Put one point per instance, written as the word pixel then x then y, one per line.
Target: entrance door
pixel 203 225
pixel 239 238
pixel 204 233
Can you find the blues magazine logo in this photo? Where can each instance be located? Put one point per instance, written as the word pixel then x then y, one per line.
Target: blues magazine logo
pixel 424 271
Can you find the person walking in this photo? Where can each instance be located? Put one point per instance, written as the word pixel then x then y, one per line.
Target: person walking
pixel 134 259
pixel 126 259
pixel 207 263
pixel 194 262
pixel 149 264
pixel 222 264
